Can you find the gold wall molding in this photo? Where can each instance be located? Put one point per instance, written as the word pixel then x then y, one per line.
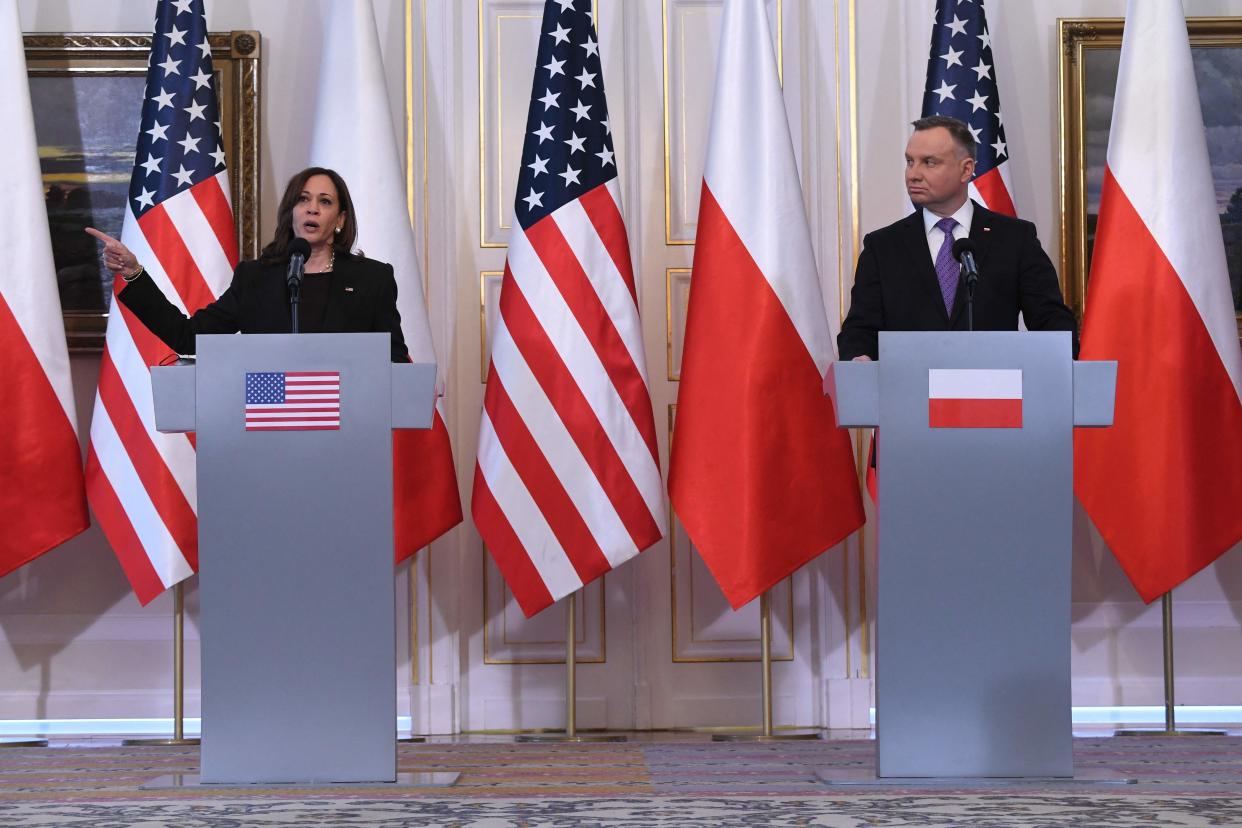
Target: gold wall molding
pixel 698 7
pixel 1079 38
pixel 235 57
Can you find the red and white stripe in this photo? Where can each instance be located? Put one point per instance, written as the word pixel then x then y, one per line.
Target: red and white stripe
pixel 974 398
pixel 567 484
pixel 41 490
pixel 992 190
pixel 141 483
pixel 760 475
pixel 353 134
pixel 1164 484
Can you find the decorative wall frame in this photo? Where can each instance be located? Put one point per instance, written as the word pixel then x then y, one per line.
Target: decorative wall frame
pixel 1090 52
pixel 87 91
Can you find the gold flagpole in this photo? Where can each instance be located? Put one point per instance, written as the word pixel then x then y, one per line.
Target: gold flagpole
pixel 571 669
pixel 571 733
pixel 412 579
pixel 1170 725
pixel 178 737
pixel 766 733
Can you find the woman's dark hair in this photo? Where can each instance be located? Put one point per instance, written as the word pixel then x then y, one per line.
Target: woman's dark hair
pixel 343 242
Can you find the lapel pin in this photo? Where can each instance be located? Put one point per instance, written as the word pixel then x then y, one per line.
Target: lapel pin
pixel 987 229
pixel 349 290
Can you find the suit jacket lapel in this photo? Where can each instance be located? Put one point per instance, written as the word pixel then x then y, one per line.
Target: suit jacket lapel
pixel 921 265
pixel 343 276
pixel 981 235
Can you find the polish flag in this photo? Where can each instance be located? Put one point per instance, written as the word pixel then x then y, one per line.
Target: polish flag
pixel 974 398
pixel 42 496
pixel 353 134
pixel 1164 484
pixel 760 476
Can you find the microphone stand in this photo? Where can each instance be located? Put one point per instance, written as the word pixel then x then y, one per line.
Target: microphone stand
pixel 964 252
pixel 295 289
pixel 970 275
pixel 970 301
pixel 294 279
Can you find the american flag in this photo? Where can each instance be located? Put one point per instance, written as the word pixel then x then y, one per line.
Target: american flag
pixel 567 484
pixel 293 401
pixel 961 83
pixel 179 223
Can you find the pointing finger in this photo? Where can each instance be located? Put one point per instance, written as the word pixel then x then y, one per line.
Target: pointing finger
pixel 102 236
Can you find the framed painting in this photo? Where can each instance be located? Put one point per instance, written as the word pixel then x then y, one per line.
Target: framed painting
pixel 1090 57
pixel 87 92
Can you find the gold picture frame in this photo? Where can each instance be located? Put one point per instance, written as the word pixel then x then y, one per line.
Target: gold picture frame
pixel 1090 50
pixel 69 66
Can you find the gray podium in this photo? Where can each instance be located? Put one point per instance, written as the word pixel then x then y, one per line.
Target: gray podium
pixel 296 557
pixel 974 546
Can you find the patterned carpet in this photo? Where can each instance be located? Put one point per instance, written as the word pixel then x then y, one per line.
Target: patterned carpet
pixel 1182 782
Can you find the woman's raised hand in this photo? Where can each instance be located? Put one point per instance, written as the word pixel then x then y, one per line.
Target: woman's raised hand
pixel 117 257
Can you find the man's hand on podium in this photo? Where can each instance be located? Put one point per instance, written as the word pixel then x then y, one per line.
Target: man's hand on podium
pixel 861 358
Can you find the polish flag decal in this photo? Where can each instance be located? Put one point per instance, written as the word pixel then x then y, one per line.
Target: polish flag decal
pixel 974 398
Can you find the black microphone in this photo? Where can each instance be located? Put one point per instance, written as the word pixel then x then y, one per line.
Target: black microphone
pixel 964 252
pixel 299 252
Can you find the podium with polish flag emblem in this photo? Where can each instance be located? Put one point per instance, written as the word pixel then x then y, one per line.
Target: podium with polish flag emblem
pixel 295 517
pixel 975 513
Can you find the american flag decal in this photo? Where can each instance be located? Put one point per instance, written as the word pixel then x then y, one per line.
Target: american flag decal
pixel 293 401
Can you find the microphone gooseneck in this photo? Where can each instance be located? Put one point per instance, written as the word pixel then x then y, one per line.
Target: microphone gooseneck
pixel 964 252
pixel 299 252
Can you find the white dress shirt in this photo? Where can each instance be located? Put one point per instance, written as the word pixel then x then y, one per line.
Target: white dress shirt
pixel 935 236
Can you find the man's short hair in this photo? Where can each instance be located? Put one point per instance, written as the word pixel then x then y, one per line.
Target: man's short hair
pixel 957 130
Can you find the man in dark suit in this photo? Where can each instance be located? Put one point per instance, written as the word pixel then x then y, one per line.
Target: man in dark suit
pixel 907 278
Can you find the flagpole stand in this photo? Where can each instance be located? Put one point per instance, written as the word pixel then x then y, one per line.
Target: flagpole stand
pixel 571 733
pixel 413 585
pixel 178 737
pixel 766 734
pixel 1170 725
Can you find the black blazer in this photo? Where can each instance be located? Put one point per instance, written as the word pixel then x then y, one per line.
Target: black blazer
pixel 895 285
pixel 362 297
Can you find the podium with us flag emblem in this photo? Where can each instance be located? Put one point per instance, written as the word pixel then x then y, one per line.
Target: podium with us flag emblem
pixel 295 516
pixel 975 509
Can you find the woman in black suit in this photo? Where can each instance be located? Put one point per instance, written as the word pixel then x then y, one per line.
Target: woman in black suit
pixel 341 291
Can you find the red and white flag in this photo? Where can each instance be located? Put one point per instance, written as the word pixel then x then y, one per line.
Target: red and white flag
pixel 42 499
pixel 1164 484
pixel 760 476
pixel 179 223
pixel 974 398
pixel 353 134
pixel 567 484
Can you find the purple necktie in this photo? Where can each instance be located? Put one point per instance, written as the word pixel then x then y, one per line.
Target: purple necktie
pixel 947 268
